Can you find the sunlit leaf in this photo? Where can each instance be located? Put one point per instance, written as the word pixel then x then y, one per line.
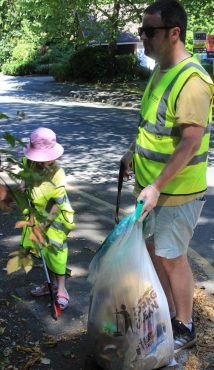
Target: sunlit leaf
pixel 14 264
pixel 28 268
pixel 14 253
pixel 27 263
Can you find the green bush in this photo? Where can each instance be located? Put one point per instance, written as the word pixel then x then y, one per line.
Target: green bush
pixel 87 64
pixel 29 58
pixel 126 66
pixel 60 71
pixel 90 64
pixel 42 69
pixel 7 45
pixel 52 55
pixel 5 53
pixel 18 68
pixel 24 52
pixel 23 60
pixel 143 73
pixel 94 64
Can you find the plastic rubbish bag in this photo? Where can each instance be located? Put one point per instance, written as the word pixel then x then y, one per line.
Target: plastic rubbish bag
pixel 129 325
pixel 149 225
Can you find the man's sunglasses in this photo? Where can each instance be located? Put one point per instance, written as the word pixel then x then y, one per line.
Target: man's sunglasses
pixel 150 31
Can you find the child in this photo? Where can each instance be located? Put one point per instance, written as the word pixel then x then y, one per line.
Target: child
pixel 52 212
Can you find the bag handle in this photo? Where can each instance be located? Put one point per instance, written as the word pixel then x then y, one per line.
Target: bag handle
pixel 119 188
pixel 138 209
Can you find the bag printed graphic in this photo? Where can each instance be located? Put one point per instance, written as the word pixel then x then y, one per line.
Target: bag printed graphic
pixel 129 325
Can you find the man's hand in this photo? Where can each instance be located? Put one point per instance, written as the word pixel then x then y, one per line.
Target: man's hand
pixel 127 163
pixel 150 196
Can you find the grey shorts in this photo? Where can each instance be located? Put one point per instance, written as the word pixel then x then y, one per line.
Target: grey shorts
pixel 174 228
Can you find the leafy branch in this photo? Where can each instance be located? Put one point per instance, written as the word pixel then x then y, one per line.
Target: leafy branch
pixel 17 171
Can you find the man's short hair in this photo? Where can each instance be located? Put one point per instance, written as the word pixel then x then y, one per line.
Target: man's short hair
pixel 172 14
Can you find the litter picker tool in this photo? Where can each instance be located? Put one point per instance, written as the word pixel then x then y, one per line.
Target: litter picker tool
pixel 55 307
pixel 120 185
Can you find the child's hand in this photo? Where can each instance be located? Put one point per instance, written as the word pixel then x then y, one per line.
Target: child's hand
pixel 20 224
pixel 30 222
pixel 36 235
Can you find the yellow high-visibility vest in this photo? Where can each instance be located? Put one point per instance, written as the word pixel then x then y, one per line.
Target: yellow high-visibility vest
pixel 158 135
pixel 57 230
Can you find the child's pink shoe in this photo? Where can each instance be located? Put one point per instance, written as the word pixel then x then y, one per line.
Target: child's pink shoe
pixel 62 300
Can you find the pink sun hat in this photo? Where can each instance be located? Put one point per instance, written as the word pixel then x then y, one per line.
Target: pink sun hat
pixel 43 146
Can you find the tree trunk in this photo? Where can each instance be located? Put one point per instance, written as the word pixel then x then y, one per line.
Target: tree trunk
pixel 113 39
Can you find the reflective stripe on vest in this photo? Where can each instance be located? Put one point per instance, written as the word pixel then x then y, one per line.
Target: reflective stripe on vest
pixel 161 117
pixel 58 245
pixel 57 237
pixel 159 128
pixel 158 135
pixel 163 158
pixel 165 131
pixel 63 199
pixel 59 226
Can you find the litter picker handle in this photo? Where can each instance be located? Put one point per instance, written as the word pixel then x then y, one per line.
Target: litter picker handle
pixel 119 188
pixel 44 264
pixel 55 310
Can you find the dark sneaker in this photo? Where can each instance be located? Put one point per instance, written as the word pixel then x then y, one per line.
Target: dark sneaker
pixel 183 337
pixel 172 319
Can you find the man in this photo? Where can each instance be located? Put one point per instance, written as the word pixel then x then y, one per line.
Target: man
pixel 170 156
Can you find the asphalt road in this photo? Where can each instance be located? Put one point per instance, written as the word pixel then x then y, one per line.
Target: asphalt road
pixel 94 137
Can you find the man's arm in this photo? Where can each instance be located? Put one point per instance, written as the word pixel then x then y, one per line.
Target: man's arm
pixel 191 136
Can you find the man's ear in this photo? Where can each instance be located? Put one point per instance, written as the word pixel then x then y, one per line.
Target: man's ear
pixel 175 33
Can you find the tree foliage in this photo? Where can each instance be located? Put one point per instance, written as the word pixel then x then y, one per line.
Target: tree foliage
pixel 42 23
pixel 18 172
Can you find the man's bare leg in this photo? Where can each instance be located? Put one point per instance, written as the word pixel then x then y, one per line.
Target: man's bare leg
pixel 182 286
